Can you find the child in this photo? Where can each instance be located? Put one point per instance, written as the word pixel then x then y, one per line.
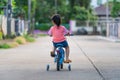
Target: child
pixel 58 33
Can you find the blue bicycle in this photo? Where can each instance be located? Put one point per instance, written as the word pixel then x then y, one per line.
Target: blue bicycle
pixel 59 58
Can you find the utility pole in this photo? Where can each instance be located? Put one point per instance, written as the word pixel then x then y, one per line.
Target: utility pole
pixel 9 12
pixel 107 17
pixel 29 16
pixel 55 6
pixel 107 11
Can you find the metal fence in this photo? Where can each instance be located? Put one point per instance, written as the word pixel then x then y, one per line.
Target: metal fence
pixel 18 26
pixel 113 29
pixel 109 29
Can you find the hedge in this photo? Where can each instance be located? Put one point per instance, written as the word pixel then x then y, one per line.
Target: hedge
pixel 46 26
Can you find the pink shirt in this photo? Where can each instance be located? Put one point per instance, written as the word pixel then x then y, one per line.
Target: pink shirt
pixel 58 33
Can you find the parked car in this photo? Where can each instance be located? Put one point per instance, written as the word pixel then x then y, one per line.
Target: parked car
pixel 81 31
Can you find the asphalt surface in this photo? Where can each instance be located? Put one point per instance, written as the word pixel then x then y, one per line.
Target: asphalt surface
pixel 92 59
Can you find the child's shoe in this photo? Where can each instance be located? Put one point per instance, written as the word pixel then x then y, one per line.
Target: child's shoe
pixel 67 61
pixel 52 54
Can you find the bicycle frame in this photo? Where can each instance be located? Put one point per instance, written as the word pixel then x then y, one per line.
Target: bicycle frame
pixel 59 56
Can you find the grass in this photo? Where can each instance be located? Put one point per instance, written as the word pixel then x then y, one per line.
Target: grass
pixel 42 34
pixel 6 44
pixel 13 44
pixel 29 38
pixel 20 40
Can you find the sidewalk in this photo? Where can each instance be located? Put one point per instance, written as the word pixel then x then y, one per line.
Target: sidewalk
pixel 113 39
pixel 104 54
pixel 92 59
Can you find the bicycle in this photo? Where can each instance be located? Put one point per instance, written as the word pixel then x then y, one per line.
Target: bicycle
pixel 59 58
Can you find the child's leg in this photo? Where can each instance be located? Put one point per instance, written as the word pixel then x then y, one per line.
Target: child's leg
pixel 53 49
pixel 53 52
pixel 67 55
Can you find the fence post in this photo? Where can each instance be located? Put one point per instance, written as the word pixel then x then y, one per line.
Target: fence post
pixel 9 11
pixel 29 16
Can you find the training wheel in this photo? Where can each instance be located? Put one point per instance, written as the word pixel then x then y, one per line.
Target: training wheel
pixel 48 67
pixel 69 67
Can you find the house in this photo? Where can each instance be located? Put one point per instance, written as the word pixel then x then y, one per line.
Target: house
pixel 100 11
pixel 109 27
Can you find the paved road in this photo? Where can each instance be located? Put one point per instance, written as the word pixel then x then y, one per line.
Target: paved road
pixel 92 59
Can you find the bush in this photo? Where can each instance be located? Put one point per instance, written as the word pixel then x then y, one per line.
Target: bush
pixel 8 45
pixel 0 35
pixel 46 26
pixel 29 38
pixel 20 40
pixel 104 32
pixel 43 26
pixel 13 44
pixel 67 26
pixel 5 46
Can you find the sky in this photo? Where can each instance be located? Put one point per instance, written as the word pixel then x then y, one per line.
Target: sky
pixel 94 2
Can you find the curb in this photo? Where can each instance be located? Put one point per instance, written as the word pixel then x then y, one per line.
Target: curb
pixel 113 39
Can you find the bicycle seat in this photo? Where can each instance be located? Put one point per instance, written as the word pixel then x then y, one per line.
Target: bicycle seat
pixel 59 45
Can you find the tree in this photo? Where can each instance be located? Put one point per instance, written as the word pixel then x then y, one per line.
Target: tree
pixel 64 10
pixel 76 6
pixel 20 8
pixel 3 4
pixel 43 11
pixel 84 3
pixel 46 8
pixel 115 9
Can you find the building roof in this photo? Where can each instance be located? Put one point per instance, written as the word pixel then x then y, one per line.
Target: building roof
pixel 101 10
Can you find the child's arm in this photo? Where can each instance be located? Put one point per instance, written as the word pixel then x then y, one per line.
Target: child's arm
pixel 66 32
pixel 50 32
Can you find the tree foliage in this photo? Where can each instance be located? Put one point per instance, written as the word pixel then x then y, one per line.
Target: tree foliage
pixel 68 9
pixel 21 8
pixel 3 2
pixel 2 5
pixel 115 9
pixel 42 10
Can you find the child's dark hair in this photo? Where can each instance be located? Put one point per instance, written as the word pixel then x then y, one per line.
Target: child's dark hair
pixel 56 19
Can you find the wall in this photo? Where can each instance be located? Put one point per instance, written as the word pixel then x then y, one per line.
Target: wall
pixel 17 28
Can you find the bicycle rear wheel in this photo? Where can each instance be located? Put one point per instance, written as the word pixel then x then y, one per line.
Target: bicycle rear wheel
pixel 58 62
